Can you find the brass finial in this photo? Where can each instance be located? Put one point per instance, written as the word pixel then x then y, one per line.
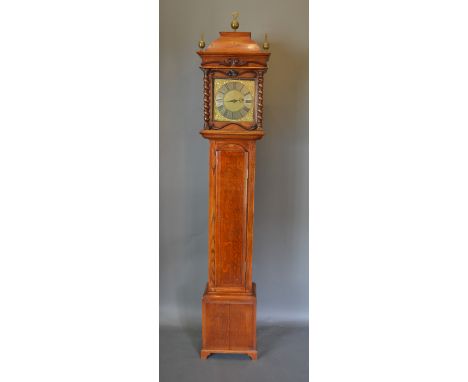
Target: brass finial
pixel 234 22
pixel 266 44
pixel 201 43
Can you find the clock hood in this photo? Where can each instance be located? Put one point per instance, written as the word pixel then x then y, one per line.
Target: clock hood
pixel 233 42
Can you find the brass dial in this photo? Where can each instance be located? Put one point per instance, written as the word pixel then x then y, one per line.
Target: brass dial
pixel 234 100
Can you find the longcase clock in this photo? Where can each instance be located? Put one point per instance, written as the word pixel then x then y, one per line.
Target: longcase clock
pixel 233 66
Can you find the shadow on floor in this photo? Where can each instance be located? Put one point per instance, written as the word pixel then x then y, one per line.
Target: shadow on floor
pixel 283 356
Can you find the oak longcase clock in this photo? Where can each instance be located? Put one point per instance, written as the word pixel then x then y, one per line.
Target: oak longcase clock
pixel 233 67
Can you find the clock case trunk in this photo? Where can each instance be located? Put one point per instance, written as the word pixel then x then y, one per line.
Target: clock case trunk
pixel 229 301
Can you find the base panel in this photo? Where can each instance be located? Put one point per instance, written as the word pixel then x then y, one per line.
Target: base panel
pixel 229 324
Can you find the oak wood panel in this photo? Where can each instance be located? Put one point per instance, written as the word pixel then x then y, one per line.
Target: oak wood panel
pixel 241 326
pixel 216 327
pixel 231 215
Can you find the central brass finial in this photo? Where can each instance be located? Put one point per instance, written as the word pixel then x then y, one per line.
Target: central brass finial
pixel 234 22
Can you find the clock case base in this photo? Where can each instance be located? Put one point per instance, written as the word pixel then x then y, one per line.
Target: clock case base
pixel 229 323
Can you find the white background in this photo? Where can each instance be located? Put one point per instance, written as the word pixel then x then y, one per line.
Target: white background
pixel 388 183
pixel 389 190
pixel 78 190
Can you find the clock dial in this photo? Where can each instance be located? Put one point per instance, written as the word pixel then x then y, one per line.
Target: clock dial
pixel 234 100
